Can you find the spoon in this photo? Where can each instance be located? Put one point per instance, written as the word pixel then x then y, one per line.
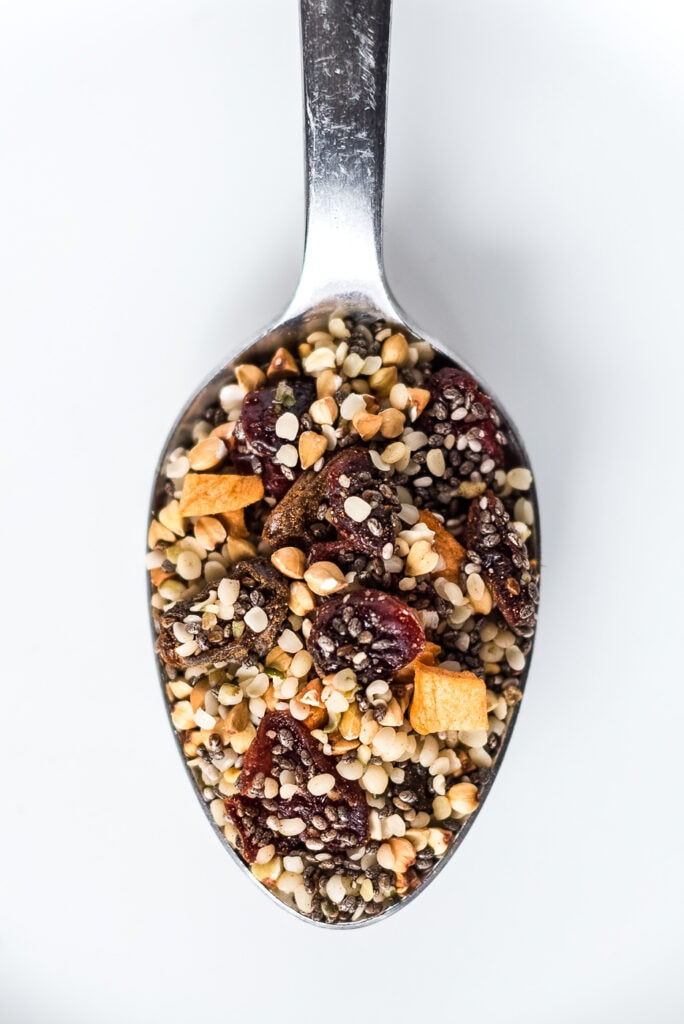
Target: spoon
pixel 345 55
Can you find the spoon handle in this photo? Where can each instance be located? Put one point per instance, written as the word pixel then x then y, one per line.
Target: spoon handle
pixel 345 47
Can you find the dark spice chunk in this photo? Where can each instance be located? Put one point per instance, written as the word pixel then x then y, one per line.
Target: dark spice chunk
pixel 506 567
pixel 296 515
pixel 368 631
pixel 260 584
pixel 334 821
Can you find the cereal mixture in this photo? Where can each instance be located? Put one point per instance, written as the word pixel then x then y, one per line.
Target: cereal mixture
pixel 344 602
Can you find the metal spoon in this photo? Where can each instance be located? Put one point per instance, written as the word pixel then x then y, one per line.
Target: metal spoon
pixel 345 54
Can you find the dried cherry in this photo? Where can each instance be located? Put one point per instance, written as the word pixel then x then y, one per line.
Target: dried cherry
pixel 491 539
pixel 254 442
pixel 233 640
pixel 368 631
pixel 351 473
pixel 459 409
pixel 333 821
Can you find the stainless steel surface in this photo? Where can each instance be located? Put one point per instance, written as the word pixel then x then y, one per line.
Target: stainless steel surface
pixel 345 47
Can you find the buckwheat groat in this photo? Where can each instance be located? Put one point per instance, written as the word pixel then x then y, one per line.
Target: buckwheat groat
pixel 344 583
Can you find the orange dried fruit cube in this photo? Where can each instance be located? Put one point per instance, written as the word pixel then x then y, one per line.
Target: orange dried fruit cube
pixel 443 700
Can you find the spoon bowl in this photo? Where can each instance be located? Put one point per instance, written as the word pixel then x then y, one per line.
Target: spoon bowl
pixel 345 51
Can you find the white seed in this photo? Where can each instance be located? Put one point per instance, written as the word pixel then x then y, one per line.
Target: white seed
pixel 349 769
pixel 177 468
pixel 257 619
pixel 270 789
pixel 435 462
pixel 337 327
pixel 429 752
pixel 227 592
pixel 258 686
pixel 288 790
pixel 301 663
pixel 375 779
pixel 289 642
pixel 265 854
pixel 515 658
pixel 286 688
pixel 182 715
pixel 357 509
pixel 292 826
pixel 473 737
pixel 318 360
pixel 298 710
pixel 180 631
pixel 304 900
pixel 287 455
pixel 295 864
pixel 524 511
pixel 187 650
pixel 409 514
pixel 351 405
pixel 287 426
pixel 218 813
pixel 230 397
pixel 203 720
pixel 441 808
pixel 386 857
pixel 335 889
pixel 519 478
pixel 289 882
pixel 475 586
pixel 399 396
pixel 415 439
pixel 371 365
pixel 189 565
pixel 319 785
pixel 480 757
pixel 378 461
pixel 396 825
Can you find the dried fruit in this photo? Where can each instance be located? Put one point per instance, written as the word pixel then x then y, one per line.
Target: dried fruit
pixel 459 409
pixel 447 700
pixel 352 473
pixel 292 518
pixel 206 494
pixel 505 563
pixel 230 640
pixel 254 442
pixel 368 631
pixel 332 821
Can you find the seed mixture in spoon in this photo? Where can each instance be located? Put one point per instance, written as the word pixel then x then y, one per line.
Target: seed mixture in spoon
pixel 344 601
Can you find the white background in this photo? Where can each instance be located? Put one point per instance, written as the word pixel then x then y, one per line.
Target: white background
pixel 151 220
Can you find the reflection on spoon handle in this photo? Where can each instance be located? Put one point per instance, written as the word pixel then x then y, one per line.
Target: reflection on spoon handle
pixel 345 46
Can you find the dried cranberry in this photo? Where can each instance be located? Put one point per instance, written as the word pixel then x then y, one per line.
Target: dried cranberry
pixel 254 442
pixel 458 409
pixel 491 539
pixel 351 473
pixel 332 822
pixel 368 631
pixel 260 584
